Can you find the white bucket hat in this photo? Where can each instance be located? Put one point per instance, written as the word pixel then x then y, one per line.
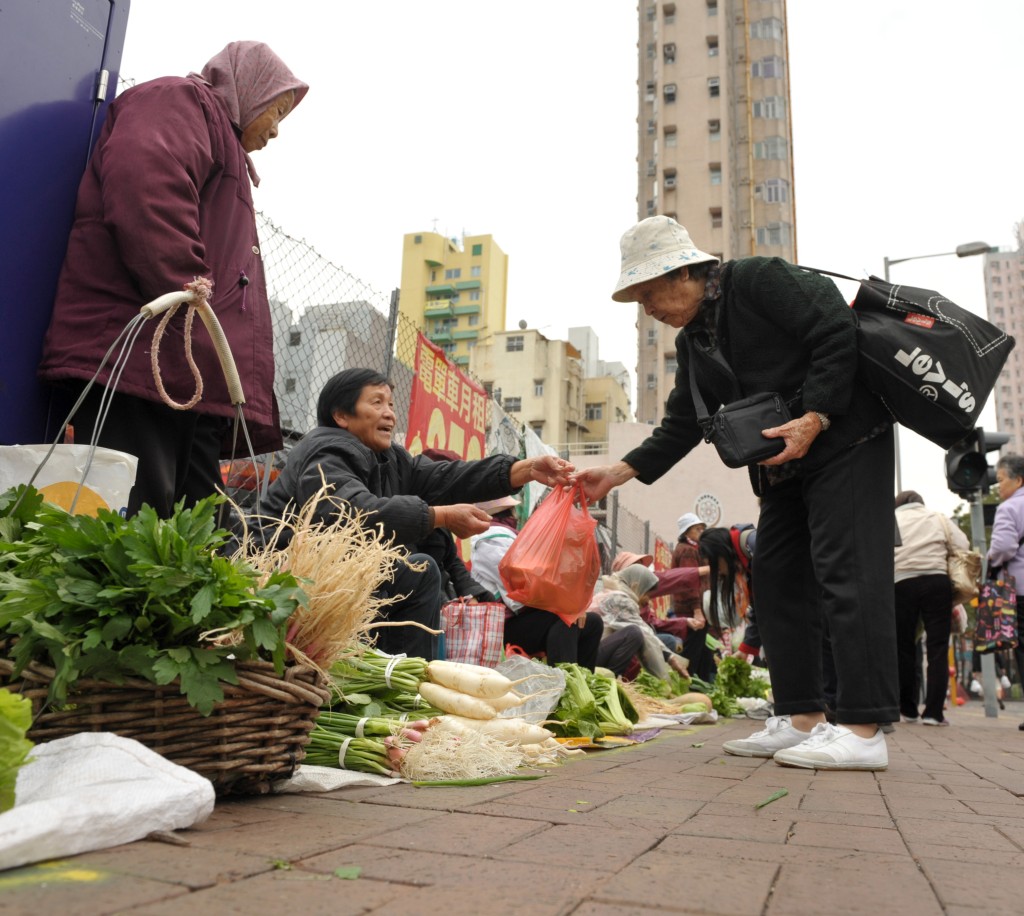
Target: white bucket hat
pixel 687 520
pixel 653 247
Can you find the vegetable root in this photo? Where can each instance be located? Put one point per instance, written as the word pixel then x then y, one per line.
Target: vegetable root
pixel 512 731
pixel 474 680
pixel 452 701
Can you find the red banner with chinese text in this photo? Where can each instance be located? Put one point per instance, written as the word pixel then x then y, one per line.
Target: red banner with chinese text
pixel 447 410
pixel 662 561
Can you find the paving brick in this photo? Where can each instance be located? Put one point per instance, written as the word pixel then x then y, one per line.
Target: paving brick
pixel 959 884
pixel 888 888
pixel 567 845
pixel 927 806
pixel 72 889
pixel 764 829
pixel 659 880
pixel 858 802
pixel 867 839
pixel 459 833
pixel 955 833
pixel 959 853
pixel 742 851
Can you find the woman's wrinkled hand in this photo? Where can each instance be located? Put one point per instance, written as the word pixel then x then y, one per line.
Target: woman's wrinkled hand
pixel 463 519
pixel 551 470
pixel 798 435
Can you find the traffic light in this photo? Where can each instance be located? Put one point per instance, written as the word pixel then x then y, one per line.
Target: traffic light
pixel 967 469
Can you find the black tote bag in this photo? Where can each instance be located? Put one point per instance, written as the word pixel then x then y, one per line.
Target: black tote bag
pixel 932 362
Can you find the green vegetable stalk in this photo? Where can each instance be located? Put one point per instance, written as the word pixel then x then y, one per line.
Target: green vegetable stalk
pixel 611 717
pixel 576 713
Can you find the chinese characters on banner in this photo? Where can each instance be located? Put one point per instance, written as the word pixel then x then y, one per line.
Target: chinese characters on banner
pixel 662 561
pixel 446 409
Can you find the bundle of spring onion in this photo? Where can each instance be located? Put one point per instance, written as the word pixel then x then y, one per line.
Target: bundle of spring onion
pixel 370 745
pixel 377 674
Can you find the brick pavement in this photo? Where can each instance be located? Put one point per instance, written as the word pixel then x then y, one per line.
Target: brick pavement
pixel 668 826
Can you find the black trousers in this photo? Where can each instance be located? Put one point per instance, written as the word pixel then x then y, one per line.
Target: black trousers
pixel 825 552
pixel 418 599
pixel 178 450
pixel 926 599
pixel 534 630
pixel 619 648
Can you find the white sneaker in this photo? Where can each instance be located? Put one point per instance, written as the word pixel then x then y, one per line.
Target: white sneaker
pixel 835 747
pixel 976 687
pixel 777 735
pixel 1005 682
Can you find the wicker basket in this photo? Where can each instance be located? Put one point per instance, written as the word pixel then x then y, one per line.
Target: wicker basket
pixel 256 734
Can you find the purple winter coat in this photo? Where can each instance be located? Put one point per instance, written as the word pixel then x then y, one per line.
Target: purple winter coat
pixel 166 198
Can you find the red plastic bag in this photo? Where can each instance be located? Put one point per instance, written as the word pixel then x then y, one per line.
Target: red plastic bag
pixel 553 563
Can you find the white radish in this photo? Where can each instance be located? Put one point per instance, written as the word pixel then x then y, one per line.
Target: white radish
pixel 508 701
pixel 474 680
pixel 452 701
pixel 513 731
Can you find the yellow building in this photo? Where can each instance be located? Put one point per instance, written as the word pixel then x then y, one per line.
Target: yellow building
pixel 605 402
pixel 455 293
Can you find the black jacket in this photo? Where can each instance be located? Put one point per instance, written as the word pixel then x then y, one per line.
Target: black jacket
pixel 780 329
pixel 395 489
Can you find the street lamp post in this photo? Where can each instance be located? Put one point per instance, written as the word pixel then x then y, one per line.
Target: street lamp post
pixel 961 251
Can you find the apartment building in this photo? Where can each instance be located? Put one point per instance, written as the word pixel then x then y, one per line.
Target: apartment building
pixel 454 291
pixel 1004 295
pixel 714 145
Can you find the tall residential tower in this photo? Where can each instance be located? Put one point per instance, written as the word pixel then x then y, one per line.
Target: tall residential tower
pixel 715 145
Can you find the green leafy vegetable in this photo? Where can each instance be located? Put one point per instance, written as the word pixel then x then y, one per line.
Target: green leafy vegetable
pixel 111 598
pixel 576 713
pixel 15 720
pixel 735 677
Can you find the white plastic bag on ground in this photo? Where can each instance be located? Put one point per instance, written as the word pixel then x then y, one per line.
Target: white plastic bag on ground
pixel 95 790
pixel 309 778
pixel 544 688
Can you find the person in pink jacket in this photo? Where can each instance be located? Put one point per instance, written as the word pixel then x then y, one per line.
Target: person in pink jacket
pixel 166 199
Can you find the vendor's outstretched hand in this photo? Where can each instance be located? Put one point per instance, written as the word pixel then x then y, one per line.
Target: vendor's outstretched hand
pixel 598 482
pixel 551 470
pixel 463 519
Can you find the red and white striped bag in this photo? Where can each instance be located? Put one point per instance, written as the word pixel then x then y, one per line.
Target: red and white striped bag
pixel 473 633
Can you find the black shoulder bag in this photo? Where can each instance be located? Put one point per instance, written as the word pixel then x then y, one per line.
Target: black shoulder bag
pixel 735 428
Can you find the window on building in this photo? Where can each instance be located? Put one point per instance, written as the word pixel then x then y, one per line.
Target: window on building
pixel 538 430
pixel 474 271
pixel 775 234
pixel 594 411
pixel 770 148
pixel 513 405
pixel 770 28
pixel 671 365
pixel 712 45
pixel 669 13
pixel 652 209
pixel 651 13
pixel 474 295
pixel 538 388
pixel 773 191
pixel 649 91
pixel 774 106
pixel 652 125
pixel 712 7
pixel 453 273
pixel 716 217
pixel 714 87
pixel 669 92
pixel 652 380
pixel 714 129
pixel 715 172
pixel 514 344
pixel 417 240
pixel 449 349
pixel 289 385
pixel 474 320
pixel 652 337
pixel 767 67
pixel 478 250
pixel 652 51
pixel 668 51
pixel 294 338
pixel 671 136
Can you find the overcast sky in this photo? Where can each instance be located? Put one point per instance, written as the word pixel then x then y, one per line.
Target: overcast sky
pixel 519 121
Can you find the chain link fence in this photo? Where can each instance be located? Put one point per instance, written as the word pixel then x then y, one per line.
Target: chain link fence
pixel 325 319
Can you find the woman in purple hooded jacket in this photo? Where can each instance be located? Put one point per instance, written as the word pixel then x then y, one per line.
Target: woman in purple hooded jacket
pixel 166 199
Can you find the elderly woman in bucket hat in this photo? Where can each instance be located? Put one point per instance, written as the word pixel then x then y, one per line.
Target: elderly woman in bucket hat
pixel 825 534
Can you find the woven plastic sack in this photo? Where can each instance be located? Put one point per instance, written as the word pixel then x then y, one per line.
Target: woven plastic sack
pixel 473 633
pixel 554 562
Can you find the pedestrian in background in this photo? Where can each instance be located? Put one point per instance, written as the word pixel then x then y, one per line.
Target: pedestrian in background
pixel 924 596
pixel 1005 548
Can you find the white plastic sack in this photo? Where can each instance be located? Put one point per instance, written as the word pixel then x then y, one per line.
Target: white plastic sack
pixel 309 778
pixel 544 688
pixel 95 790
pixel 111 475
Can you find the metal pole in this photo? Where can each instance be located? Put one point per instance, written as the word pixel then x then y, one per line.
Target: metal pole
pixel 647 537
pixel 988 661
pixel 392 331
pixel 614 498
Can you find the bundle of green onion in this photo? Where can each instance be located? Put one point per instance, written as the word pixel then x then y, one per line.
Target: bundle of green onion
pixel 376 673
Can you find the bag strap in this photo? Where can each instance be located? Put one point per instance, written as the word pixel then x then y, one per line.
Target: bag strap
pixel 829 273
pixel 703 417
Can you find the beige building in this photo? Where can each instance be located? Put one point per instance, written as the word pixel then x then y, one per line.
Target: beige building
pixel 715 145
pixel 537 381
pixel 454 292
pixel 1004 293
